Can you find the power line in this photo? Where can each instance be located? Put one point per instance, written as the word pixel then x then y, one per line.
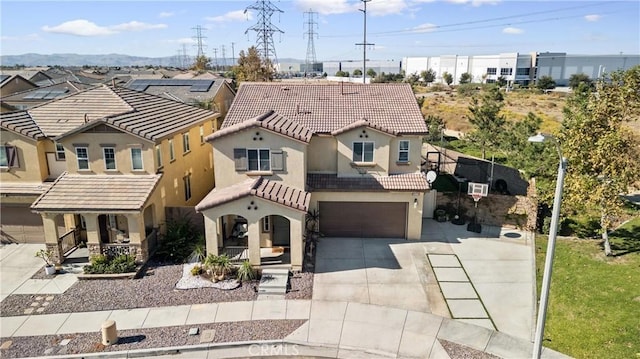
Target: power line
pixel 311 49
pixel 265 29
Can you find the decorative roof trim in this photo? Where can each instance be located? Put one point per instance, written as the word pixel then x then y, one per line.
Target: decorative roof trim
pixel 364 123
pixel 270 121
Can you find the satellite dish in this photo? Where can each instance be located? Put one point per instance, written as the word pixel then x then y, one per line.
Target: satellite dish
pixel 431 176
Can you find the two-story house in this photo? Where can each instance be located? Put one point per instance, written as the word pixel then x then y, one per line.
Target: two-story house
pixel 348 152
pixel 127 157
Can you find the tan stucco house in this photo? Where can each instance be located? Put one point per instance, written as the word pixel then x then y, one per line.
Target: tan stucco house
pixel 122 157
pixel 348 152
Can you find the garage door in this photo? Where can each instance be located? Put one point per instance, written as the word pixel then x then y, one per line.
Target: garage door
pixel 363 219
pixel 20 225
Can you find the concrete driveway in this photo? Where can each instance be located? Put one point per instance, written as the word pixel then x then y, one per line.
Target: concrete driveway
pixel 497 266
pixel 388 272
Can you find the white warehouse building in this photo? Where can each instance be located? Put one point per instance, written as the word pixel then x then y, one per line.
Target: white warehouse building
pixel 518 68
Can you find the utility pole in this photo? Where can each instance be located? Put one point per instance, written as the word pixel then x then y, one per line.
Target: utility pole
pixel 215 58
pixel 310 60
pixel 199 43
pixel 364 43
pixel 265 29
pixel 233 54
pixel 224 59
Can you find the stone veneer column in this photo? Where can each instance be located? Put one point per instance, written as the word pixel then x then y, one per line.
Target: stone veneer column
pixel 51 236
pixel 254 242
pixel 137 238
pixel 93 234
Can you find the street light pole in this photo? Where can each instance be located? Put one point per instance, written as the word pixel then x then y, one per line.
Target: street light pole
pixel 548 263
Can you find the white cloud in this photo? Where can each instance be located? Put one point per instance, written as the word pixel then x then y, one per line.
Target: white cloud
pixel 137 26
pixel 512 30
pixel 165 14
pixel 327 7
pixel 592 17
pixel 475 2
pixel 427 27
pixel 236 15
pixel 79 27
pixel 386 7
pixel 183 40
pixel 29 37
pixel 83 27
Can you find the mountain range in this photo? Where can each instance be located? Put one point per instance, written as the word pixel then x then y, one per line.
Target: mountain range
pixel 101 60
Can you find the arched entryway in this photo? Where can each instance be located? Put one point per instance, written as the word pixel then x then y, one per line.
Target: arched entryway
pixel 275 240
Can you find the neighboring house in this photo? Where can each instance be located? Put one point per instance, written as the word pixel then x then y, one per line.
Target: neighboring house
pixel 38 76
pixel 348 152
pixel 503 179
pixel 119 159
pixel 191 91
pixel 10 84
pixel 32 97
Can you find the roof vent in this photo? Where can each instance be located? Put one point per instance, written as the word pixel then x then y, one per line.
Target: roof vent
pixel 285 88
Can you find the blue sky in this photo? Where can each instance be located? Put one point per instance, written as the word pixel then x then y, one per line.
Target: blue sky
pixel 398 28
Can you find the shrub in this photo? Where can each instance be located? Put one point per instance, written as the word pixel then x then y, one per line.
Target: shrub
pixel 196 270
pixel 101 264
pixel 246 272
pixel 178 242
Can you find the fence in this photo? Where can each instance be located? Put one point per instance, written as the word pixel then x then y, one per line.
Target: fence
pixel 236 254
pixel 69 240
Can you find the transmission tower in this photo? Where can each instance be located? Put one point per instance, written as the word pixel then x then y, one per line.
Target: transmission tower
pixel 215 58
pixel 364 43
pixel 198 38
pixel 265 29
pixel 233 54
pixel 224 58
pixel 185 57
pixel 311 25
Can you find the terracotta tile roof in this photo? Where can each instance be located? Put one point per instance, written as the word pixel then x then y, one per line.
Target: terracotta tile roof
pixel 399 182
pixel 24 188
pixel 327 108
pixel 363 123
pixel 262 188
pixel 20 122
pixel 270 121
pixel 73 193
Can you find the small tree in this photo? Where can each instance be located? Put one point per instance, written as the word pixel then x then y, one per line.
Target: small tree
pixel 357 72
pixel 371 73
pixel 465 78
pixel 202 64
pixel 413 79
pixel 486 118
pixel 501 81
pixel 448 78
pixel 435 124
pixel 546 83
pixel 428 76
pixel 253 68
pixel 576 79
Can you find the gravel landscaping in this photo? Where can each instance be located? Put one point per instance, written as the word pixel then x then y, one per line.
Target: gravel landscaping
pixel 457 351
pixel 155 289
pixel 148 338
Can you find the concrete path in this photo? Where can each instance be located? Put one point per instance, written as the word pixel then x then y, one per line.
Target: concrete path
pixel 333 329
pixel 18 263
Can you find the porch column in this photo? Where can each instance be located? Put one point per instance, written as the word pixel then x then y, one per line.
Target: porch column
pixel 296 246
pixel 137 239
pixel 93 233
pixel 254 242
pixel 211 234
pixel 51 236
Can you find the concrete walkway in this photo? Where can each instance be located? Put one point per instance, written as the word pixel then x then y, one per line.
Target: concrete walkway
pixel 333 329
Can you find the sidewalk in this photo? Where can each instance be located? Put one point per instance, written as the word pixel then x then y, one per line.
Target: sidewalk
pixel 333 329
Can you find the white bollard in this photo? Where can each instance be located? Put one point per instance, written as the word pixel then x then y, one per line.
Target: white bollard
pixel 109 332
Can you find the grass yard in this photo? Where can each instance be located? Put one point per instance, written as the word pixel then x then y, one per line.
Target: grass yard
pixel 594 304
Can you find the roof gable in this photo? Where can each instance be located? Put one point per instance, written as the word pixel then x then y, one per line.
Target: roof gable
pixel 21 123
pixel 327 108
pixel 270 121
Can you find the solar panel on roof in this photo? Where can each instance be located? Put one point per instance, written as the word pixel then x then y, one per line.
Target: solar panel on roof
pixel 4 77
pixel 37 95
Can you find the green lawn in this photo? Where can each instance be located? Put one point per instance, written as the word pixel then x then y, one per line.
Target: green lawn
pixel 594 304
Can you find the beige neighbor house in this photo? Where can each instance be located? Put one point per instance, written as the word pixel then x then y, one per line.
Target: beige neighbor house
pixel 348 152
pixel 119 159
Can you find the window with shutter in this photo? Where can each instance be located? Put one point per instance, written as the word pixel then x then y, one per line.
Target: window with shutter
pixel 9 156
pixel 277 160
pixel 240 159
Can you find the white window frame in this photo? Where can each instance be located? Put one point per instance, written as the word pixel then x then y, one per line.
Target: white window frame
pixel 159 155
pixel 84 158
pixel 104 157
pixel 401 151
pixel 172 153
pixel 260 160
pixel 186 146
pixel 133 167
pixel 362 158
pixel 187 187
pixel 266 224
pixel 492 70
pixel 60 154
pixel 201 134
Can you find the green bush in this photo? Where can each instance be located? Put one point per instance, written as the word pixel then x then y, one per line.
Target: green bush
pixel 581 227
pixel 101 264
pixel 178 242
pixel 246 272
